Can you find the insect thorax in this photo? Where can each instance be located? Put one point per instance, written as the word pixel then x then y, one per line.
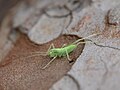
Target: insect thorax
pixel 53 52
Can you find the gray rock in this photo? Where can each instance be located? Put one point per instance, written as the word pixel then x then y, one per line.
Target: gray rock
pixel 7 36
pixel 47 29
pixel 57 12
pixel 68 82
pixel 90 19
pixel 97 68
pixel 114 16
pixel 56 20
pixel 27 16
pixel 21 15
pixel 105 5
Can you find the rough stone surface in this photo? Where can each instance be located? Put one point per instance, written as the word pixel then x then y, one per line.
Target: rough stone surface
pixel 22 13
pixel 114 16
pixel 7 36
pixel 47 29
pixel 97 68
pixel 51 12
pixel 69 82
pixel 28 15
pixel 105 5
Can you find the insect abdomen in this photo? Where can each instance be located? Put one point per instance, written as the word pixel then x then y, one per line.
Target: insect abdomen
pixel 70 48
pixel 67 49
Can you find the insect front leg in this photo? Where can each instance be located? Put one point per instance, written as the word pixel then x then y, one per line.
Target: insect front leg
pixel 49 63
pixel 51 46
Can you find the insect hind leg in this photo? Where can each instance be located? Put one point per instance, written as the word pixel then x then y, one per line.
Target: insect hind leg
pixel 85 38
pixel 49 63
pixel 81 43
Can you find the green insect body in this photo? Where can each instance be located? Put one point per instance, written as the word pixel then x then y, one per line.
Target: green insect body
pixel 64 51
pixel 59 52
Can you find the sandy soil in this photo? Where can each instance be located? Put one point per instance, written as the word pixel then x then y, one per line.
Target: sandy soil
pixel 19 71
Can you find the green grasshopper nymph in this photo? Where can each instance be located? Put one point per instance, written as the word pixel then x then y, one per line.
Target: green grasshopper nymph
pixel 64 50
